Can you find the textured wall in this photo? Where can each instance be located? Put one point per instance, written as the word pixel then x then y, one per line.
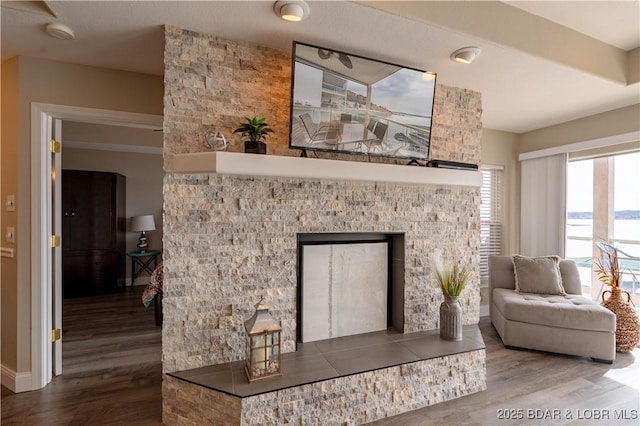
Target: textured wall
pixel 456 130
pixel 211 82
pixel 350 400
pixel 230 240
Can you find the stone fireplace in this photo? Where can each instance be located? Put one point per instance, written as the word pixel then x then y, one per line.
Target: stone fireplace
pixel 235 240
pixel 232 226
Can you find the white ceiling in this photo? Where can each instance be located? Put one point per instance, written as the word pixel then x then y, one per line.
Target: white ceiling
pixel 542 62
pixel 613 22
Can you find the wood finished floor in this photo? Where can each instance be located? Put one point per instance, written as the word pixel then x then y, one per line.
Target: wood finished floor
pixel 111 365
pixel 112 376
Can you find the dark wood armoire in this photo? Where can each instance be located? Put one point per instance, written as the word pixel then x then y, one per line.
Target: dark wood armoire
pixel 93 232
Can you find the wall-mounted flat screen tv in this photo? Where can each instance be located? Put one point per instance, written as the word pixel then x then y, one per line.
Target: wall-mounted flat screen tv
pixel 346 103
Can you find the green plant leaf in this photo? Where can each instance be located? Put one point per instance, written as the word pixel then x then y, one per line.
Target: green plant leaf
pixel 255 128
pixel 452 279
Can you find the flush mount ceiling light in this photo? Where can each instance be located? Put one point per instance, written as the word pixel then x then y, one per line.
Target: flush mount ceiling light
pixel 466 55
pixel 60 31
pixel 292 10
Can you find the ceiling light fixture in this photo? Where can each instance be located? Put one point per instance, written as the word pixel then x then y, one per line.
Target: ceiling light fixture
pixel 60 31
pixel 466 55
pixel 292 10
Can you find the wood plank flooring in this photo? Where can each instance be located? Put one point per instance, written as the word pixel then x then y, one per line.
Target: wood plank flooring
pixel 112 376
pixel 528 383
pixel 111 365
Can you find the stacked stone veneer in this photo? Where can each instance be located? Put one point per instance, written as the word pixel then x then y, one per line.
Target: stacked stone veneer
pixel 214 83
pixel 228 240
pixel 231 240
pixel 350 400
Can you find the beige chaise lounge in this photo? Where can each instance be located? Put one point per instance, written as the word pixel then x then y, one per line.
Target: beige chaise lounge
pixel 568 324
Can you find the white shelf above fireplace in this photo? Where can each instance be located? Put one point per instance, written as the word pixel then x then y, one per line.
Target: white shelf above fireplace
pixel 240 164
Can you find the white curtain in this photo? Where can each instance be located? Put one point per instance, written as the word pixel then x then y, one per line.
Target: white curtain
pixel 543 205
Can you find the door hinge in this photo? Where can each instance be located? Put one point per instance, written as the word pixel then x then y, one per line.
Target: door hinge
pixel 56 334
pixel 54 146
pixel 55 241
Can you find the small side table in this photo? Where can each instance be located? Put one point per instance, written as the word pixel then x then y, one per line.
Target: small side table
pixel 141 262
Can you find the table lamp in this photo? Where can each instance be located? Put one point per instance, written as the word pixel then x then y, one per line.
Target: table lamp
pixel 143 224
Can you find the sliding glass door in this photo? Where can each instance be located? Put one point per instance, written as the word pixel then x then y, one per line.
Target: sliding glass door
pixel 603 205
pixel 579 244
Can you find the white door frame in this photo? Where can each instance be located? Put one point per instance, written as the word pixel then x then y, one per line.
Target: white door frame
pixel 41 295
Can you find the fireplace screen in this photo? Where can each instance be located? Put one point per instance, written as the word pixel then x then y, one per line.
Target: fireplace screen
pixel 345 289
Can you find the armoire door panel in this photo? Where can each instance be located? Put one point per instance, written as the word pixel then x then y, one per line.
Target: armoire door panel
pixel 93 232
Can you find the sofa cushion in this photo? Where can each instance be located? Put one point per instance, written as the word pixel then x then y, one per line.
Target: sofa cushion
pixel 565 311
pixel 539 275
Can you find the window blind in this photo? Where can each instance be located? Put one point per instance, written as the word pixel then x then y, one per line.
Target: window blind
pixel 490 217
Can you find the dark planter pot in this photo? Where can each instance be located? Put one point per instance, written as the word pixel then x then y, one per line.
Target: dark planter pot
pixel 451 319
pixel 255 147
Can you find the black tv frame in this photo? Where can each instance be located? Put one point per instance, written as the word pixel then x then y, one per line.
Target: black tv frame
pixel 415 159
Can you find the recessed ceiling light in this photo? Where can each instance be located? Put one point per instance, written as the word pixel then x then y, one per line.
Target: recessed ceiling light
pixel 292 10
pixel 60 31
pixel 466 55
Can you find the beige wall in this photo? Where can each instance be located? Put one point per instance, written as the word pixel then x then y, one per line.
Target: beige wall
pixel 111 135
pixel 144 186
pixel 45 81
pixel 500 148
pixel 610 123
pixel 8 185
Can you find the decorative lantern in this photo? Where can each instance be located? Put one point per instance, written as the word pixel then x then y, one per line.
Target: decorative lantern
pixel 263 345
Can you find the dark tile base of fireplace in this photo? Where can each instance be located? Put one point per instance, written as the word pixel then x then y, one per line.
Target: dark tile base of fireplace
pixel 333 358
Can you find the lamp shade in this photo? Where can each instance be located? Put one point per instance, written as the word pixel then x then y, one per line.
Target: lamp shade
pixel 143 223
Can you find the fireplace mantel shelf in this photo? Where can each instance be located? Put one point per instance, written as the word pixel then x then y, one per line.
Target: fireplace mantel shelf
pixel 235 163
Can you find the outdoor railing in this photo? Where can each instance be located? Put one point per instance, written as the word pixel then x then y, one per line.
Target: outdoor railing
pixel 630 268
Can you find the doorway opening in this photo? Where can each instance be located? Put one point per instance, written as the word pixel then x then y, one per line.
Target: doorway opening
pixel 45 268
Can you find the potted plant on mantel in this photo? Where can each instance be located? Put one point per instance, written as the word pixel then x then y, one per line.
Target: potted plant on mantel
pixel 452 280
pixel 256 129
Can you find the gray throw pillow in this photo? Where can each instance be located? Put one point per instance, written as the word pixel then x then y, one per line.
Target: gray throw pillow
pixel 540 275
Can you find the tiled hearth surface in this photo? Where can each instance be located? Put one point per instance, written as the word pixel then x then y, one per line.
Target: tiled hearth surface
pixel 328 359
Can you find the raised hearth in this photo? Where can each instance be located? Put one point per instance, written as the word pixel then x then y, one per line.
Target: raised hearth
pixel 333 358
pixel 381 374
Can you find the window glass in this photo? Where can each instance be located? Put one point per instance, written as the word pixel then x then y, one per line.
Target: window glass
pixel 579 244
pixel 627 200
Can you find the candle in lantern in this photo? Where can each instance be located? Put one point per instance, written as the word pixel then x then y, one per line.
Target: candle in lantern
pixel 260 352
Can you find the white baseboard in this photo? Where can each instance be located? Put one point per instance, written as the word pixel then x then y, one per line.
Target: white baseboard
pixel 15 382
pixel 484 310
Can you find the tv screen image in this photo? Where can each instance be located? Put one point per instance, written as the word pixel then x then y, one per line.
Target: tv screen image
pixel 346 103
